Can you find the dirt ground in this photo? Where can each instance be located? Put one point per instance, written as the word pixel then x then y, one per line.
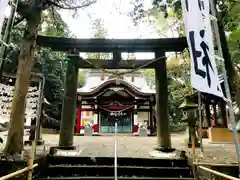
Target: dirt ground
pixel 133 146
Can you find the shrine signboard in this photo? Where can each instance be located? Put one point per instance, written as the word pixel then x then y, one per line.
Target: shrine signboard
pixel 204 75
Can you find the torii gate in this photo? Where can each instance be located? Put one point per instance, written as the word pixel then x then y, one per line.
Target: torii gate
pixel 75 46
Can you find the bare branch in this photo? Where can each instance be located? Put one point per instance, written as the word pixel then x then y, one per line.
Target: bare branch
pixel 71 7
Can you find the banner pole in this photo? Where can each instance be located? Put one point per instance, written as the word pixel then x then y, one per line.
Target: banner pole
pixel 200 120
pixel 115 151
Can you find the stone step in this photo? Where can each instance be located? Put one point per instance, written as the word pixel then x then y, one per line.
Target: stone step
pixel 112 177
pixel 102 168
pixel 122 161
pixel 129 171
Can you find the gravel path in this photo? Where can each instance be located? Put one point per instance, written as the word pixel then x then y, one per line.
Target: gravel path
pixel 130 146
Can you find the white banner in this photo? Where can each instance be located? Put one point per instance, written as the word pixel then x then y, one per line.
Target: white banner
pixel 204 75
pixel 3 7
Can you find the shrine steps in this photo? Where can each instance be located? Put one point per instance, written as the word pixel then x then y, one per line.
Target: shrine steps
pixel 111 178
pixel 86 168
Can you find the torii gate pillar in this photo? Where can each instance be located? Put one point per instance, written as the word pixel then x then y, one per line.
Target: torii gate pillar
pixel 163 130
pixel 69 105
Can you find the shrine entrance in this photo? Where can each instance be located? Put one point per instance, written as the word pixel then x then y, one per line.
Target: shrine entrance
pixel 123 118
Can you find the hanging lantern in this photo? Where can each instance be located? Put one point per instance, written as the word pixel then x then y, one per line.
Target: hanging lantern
pixel 102 75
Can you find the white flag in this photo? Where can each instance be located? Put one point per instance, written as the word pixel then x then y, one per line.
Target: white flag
pixel 3 7
pixel 204 75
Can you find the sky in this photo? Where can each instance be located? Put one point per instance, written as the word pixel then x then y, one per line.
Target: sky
pixel 118 23
pixel 114 15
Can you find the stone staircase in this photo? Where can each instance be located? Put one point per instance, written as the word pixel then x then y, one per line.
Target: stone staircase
pixel 86 168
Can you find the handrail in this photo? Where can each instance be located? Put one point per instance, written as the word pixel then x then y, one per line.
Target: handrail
pixel 218 173
pixel 194 156
pixel 18 172
pixel 213 164
pixel 30 166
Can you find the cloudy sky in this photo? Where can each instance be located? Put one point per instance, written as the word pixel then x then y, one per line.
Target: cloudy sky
pixel 118 24
pixel 116 20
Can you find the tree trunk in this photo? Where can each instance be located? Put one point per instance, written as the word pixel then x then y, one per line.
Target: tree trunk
pixel 15 134
pixel 233 77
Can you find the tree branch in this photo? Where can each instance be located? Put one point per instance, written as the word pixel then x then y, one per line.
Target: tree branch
pixel 25 10
pixel 19 20
pixel 71 7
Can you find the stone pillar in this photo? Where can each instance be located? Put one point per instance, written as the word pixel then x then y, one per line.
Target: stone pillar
pixel 69 106
pixel 151 117
pixel 163 129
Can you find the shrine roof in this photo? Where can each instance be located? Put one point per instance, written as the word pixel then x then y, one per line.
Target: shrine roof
pixel 210 98
pixel 94 83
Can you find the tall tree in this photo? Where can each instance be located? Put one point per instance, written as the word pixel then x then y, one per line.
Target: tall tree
pixel 81 78
pixel 228 16
pixel 228 20
pixel 49 63
pixel 167 21
pixel 165 24
pixel 178 83
pixel 98 31
pixel 30 11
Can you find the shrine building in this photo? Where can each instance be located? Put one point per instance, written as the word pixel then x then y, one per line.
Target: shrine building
pixel 103 99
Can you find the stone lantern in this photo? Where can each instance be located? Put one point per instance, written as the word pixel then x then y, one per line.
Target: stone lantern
pixel 190 115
